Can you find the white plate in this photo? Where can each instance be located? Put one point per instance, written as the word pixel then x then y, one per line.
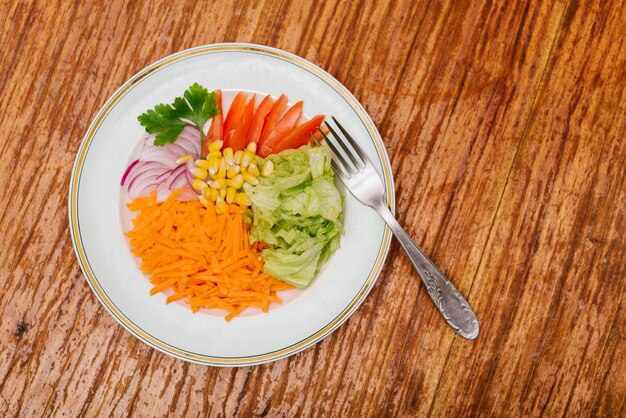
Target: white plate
pixel 96 218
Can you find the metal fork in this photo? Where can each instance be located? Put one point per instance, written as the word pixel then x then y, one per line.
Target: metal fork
pixel 362 180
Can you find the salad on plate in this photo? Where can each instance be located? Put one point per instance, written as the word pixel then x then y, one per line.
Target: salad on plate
pixel 231 205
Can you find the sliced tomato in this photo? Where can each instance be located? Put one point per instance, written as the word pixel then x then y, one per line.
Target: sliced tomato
pixel 272 118
pixel 296 138
pixel 233 117
pixel 239 140
pixel 284 126
pixel 259 118
pixel 216 131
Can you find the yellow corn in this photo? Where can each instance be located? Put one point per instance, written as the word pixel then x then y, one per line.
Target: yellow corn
pixel 183 159
pixel 251 147
pixel 204 200
pixel 220 205
pixel 199 184
pixel 247 158
pixel 236 182
pixel 206 193
pixel 214 154
pixel 228 155
pixel 238 156
pixel 223 193
pixel 202 164
pixel 254 171
pixel 218 184
pixel 213 165
pixel 268 167
pixel 214 194
pixel 233 170
pixel 199 173
pixel 250 179
pixel 230 195
pixel 216 145
pixel 242 200
pixel 221 173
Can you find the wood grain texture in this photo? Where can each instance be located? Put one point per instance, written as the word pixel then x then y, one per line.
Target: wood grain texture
pixel 506 126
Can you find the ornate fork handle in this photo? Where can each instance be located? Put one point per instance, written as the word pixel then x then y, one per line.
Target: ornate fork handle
pixel 452 305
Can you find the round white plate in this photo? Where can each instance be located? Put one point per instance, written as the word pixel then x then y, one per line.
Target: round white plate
pixel 96 219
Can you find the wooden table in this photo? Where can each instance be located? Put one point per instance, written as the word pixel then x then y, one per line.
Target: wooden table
pixel 505 124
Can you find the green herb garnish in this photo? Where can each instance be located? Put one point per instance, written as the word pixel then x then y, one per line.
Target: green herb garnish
pixel 167 121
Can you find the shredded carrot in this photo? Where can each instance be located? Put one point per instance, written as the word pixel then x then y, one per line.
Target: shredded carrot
pixel 204 257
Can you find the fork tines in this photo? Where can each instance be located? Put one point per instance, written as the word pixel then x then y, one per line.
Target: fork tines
pixel 349 156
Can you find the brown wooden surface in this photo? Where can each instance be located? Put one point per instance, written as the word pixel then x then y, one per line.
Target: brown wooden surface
pixel 506 127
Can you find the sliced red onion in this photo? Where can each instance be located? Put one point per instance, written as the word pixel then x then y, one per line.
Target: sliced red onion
pixel 177 149
pixel 142 187
pixel 163 192
pixel 190 166
pixel 190 136
pixel 163 176
pixel 142 167
pixel 188 194
pixel 128 170
pixel 179 182
pixel 189 146
pixel 180 170
pixel 152 173
pixel 157 167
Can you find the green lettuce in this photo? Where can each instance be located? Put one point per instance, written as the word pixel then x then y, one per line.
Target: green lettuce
pixel 297 211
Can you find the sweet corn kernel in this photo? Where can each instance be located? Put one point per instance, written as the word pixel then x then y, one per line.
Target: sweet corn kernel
pixel 202 164
pixel 242 200
pixel 223 193
pixel 214 154
pixel 206 193
pixel 183 159
pixel 214 194
pixel 254 171
pixel 238 156
pixel 220 205
pixel 230 195
pixel 204 200
pixel 228 155
pixel 247 158
pixel 213 165
pixel 250 179
pixel 233 170
pixel 216 145
pixel 199 173
pixel 199 184
pixel 251 147
pixel 236 182
pixel 221 173
pixel 218 184
pixel 268 168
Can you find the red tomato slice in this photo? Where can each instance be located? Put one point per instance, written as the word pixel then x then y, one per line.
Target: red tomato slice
pixel 239 140
pixel 216 131
pixel 234 116
pixel 298 137
pixel 283 127
pixel 259 118
pixel 272 117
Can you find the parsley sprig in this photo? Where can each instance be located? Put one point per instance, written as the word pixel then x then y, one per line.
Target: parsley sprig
pixel 167 121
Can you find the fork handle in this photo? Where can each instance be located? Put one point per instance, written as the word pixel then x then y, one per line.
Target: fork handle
pixel 452 305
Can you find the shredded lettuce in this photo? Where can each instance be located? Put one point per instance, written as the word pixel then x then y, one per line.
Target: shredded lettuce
pixel 297 211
